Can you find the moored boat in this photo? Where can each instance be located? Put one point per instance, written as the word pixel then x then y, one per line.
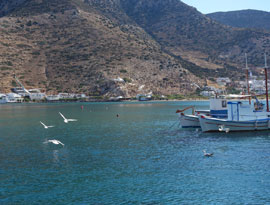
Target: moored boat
pixel 241 117
pixel 218 108
pixel 189 121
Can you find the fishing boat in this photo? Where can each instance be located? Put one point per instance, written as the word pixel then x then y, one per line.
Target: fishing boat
pixel 241 117
pixel 189 121
pixel 218 109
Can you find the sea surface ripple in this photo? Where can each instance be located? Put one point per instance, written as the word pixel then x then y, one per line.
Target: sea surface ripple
pixel 139 157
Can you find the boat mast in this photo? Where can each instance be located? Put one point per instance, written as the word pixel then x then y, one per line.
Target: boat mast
pixel 247 79
pixel 266 83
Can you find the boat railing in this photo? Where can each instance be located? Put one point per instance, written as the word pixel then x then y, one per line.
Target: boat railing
pixel 187 108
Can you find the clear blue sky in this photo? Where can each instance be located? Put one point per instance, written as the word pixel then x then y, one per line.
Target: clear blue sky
pixel 210 6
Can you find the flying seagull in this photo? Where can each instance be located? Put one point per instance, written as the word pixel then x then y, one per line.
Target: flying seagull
pixel 65 119
pixel 54 142
pixel 45 126
pixel 207 154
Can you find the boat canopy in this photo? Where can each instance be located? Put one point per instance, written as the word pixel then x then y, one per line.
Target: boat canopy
pixel 236 96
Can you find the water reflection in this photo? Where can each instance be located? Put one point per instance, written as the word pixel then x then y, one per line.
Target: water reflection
pixel 56 156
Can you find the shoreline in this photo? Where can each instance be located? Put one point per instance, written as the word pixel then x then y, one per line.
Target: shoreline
pixel 103 101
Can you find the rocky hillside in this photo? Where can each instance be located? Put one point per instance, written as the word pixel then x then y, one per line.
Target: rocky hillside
pixel 243 19
pixel 161 46
pixel 82 46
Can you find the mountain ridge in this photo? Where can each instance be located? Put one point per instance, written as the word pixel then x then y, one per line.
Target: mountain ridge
pixel 250 18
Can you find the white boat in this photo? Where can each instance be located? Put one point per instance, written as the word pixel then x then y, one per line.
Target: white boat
pixel 189 121
pixel 218 109
pixel 241 117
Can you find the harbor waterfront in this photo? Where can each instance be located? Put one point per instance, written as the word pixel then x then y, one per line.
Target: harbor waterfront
pixel 126 153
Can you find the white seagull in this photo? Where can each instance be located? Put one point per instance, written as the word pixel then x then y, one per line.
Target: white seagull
pixel 45 126
pixel 221 128
pixel 65 119
pixel 54 142
pixel 207 154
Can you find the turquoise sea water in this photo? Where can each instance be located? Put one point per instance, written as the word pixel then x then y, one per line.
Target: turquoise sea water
pixel 140 157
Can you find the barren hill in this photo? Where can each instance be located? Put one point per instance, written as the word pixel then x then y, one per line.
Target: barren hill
pixel 83 45
pixel 75 46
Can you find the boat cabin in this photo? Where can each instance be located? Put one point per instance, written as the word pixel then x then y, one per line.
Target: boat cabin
pixel 218 107
pixel 242 111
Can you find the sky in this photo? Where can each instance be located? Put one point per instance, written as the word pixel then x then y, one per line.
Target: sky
pixel 210 6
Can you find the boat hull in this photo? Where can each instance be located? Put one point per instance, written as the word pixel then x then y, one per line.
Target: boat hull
pixel 189 121
pixel 216 125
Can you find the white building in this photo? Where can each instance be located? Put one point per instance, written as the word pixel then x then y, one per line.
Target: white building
pixel 35 94
pixel 66 95
pixel 208 93
pixel 144 97
pixel 223 81
pixel 3 98
pixel 52 97
pixel 257 86
pixel 80 96
pixel 14 98
pixel 20 91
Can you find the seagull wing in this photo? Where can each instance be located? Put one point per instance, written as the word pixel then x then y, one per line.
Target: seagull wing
pixel 62 115
pixel 51 126
pixel 72 119
pixel 42 123
pixel 61 143
pixel 56 142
